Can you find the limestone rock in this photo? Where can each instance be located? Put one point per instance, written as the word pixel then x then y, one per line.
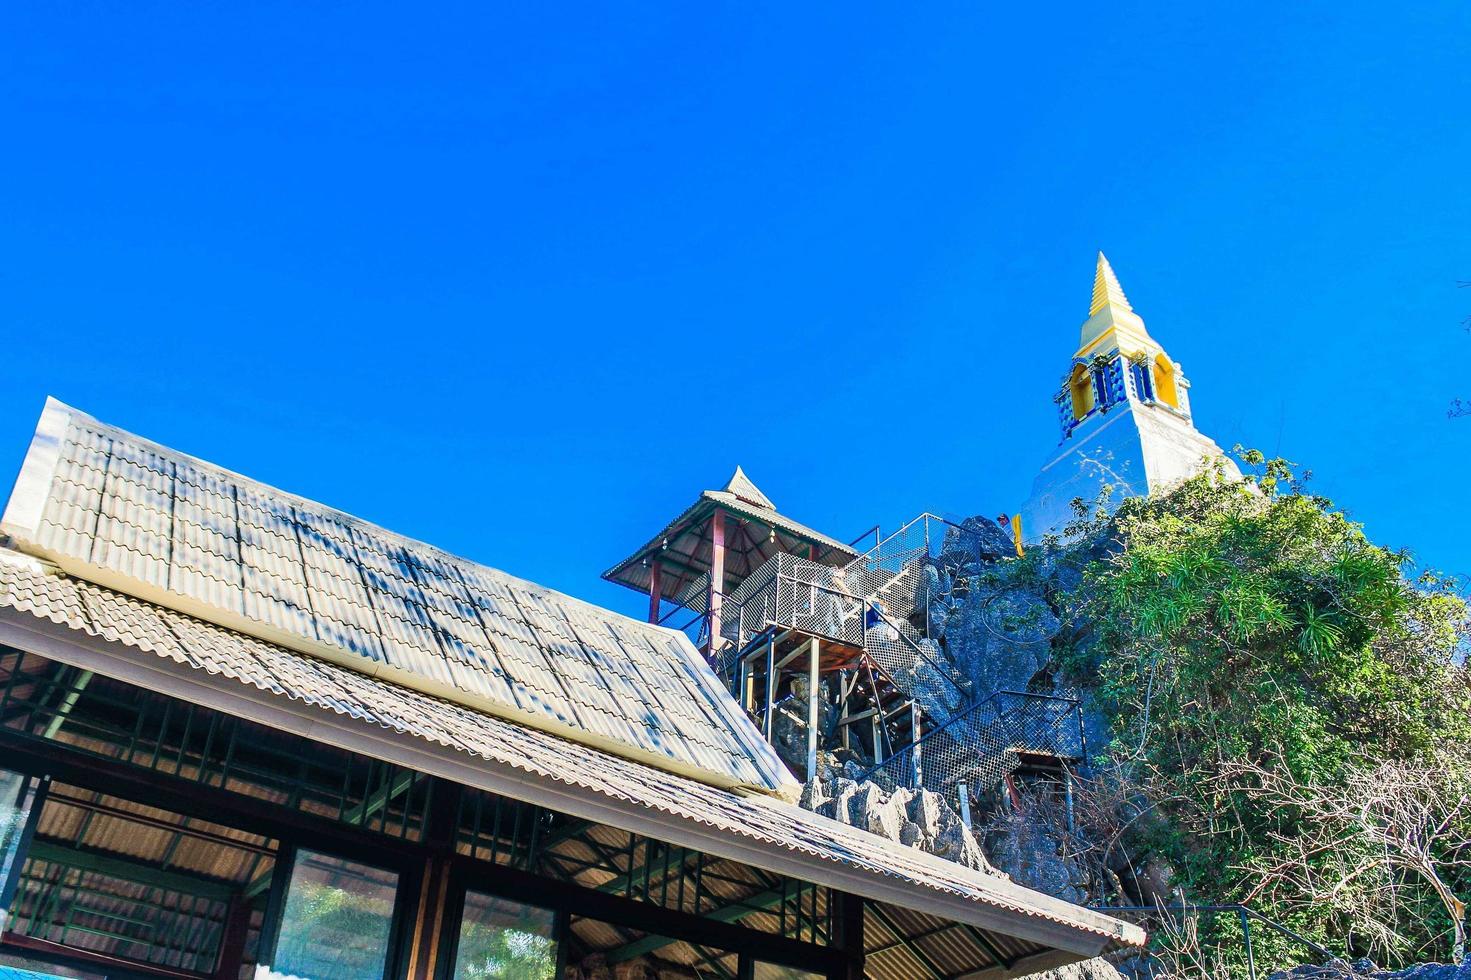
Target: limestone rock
pixel 1030 853
pixel 979 539
pixel 1000 638
pixel 914 818
pixel 1094 969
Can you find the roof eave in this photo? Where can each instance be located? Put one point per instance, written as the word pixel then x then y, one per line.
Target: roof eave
pixel 654 544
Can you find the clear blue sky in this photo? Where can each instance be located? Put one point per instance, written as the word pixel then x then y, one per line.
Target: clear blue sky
pixel 521 281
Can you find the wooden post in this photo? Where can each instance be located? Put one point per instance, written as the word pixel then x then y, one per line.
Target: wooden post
pixel 843 721
pixel 232 946
pixel 848 926
pixel 717 579
pixel 812 706
pixel 424 948
pixel 655 585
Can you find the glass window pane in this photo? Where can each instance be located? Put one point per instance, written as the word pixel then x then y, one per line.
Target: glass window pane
pixel 770 971
pixel 336 922
pixel 501 940
pixel 21 968
pixel 14 967
pixel 17 793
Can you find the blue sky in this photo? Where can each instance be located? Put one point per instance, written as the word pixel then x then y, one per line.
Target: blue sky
pixel 522 281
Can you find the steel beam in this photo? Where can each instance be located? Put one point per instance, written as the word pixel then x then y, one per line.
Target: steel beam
pixel 129 869
pixel 731 913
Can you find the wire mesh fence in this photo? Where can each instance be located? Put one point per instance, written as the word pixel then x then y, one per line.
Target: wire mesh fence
pixel 987 742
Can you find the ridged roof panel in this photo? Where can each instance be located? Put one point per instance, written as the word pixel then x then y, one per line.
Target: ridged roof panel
pixel 125 512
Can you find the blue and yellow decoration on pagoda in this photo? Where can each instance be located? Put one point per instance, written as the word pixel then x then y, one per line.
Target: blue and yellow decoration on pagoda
pixel 1123 409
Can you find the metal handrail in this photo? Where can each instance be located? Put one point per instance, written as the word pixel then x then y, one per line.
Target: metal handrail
pixel 965 716
pixel 1246 915
pixel 877 537
pixel 902 528
pixel 919 652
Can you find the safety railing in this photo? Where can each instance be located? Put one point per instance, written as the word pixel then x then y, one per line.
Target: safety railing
pixel 1210 939
pixel 791 593
pixel 985 743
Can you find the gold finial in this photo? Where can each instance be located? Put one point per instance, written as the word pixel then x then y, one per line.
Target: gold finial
pixel 1106 289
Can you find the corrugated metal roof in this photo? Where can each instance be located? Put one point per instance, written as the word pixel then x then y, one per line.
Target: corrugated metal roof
pixel 520 761
pixel 117 509
pixel 682 547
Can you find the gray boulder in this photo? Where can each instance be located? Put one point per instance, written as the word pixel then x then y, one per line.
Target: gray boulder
pixel 1094 969
pixel 914 818
pixel 1000 638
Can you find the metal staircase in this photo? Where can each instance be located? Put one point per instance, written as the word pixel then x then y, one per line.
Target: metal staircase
pixel 871 619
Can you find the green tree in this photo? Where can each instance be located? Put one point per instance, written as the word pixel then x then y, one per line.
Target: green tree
pixel 1239 628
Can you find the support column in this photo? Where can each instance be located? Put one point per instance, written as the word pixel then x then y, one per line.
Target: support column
pixel 424 946
pixel 767 720
pixel 232 945
pixel 916 735
pixel 848 938
pixel 813 703
pixel 717 579
pixel 655 587
pixel 843 725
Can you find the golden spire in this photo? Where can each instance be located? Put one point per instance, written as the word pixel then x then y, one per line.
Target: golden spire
pixel 1106 289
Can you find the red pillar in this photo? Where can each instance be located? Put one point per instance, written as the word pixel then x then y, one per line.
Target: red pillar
pixel 717 578
pixel 654 586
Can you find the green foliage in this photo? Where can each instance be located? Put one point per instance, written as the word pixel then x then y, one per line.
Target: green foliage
pixel 503 941
pixel 1253 622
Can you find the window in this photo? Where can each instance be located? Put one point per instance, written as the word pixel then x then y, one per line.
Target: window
pixel 501 940
pixel 97 879
pixel 1080 384
pixel 1164 382
pixel 17 795
pixel 337 921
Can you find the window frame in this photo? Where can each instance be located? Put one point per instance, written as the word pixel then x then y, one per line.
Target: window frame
pixel 405 903
pixel 464 879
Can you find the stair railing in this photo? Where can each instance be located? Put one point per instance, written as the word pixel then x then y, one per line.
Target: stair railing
pixel 1243 914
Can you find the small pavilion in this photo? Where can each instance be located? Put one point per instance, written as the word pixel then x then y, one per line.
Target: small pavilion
pixel 723 537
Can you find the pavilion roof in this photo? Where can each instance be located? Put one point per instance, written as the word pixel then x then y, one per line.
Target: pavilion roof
pixel 757 532
pixel 121 511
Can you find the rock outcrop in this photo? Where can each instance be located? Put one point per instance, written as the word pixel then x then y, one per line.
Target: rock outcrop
pixel 1094 969
pixel 924 820
pixel 914 818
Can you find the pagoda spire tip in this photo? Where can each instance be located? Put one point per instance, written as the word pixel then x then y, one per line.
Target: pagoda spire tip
pixel 1106 289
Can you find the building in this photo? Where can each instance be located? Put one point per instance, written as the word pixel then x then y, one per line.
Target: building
pixel 244 734
pixel 1124 414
